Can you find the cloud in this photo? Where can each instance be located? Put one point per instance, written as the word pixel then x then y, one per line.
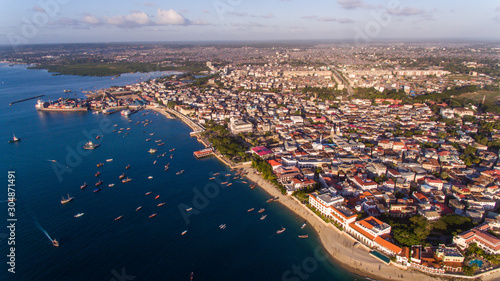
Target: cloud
pixel 205 11
pixel 496 18
pixel 327 19
pixel 268 16
pixel 310 17
pixel 39 9
pixel 243 14
pixel 497 9
pixel 345 20
pixel 171 17
pixel 353 4
pixel 131 20
pixel 90 19
pixel 406 11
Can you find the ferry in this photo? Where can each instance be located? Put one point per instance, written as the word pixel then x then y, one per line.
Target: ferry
pixel 188 209
pixel 251 209
pixel 153 215
pixel 100 165
pixel 111 185
pixel 147 193
pixel 281 230
pixel 184 232
pixel 90 145
pixel 109 160
pixel 98 183
pixel 161 204
pixel 261 210
pixel 66 200
pixel 98 173
pixel 117 218
pixel 157 196
pixel 304 236
pixel 263 217
pixel 121 176
pixel 128 167
pixel 126 180
pixel 138 208
pixel 14 139
pixel 55 243
pixel 97 190
pixel 79 215
pixel 83 185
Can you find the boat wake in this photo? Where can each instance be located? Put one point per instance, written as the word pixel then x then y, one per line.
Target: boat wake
pixel 43 230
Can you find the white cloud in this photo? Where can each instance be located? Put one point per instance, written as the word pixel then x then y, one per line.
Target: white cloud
pixel 352 4
pixel 345 20
pixel 90 19
pixel 406 11
pixel 327 19
pixel 170 17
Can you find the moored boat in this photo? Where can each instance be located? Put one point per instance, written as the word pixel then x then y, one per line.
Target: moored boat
pixel 121 176
pixel 128 167
pixel 261 210
pixel 97 190
pixel 153 215
pixel 184 232
pixel 304 225
pixel 111 185
pixel 263 217
pixel 117 218
pixel 79 215
pixel 98 173
pixel 304 236
pixel 66 200
pixel 281 230
pixel 157 196
pixel 188 209
pixel 161 204
pixel 126 180
pixel 138 208
pixel 98 183
pixel 83 185
pixel 251 209
pixel 147 193
pixel 99 165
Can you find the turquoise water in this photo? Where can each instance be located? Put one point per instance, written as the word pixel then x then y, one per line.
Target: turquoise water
pixel 479 263
pixel 95 246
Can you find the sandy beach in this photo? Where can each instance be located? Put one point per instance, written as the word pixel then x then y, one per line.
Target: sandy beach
pixel 339 244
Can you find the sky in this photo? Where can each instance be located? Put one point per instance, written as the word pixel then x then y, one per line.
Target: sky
pixel 70 21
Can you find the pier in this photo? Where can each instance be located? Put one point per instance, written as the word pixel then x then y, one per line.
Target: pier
pixel 204 152
pixel 17 101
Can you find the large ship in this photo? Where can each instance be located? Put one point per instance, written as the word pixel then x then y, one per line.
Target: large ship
pixel 90 145
pixel 61 105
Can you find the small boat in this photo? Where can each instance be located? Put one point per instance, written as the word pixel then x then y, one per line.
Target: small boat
pixel 111 185
pixel 270 200
pixel 184 232
pixel 179 172
pixel 161 144
pixel 138 208
pixel 222 226
pixel 229 184
pixel 98 173
pixel 224 182
pixel 235 178
pixel 126 180
pixel 100 165
pixel 251 209
pixel 244 182
pixel 216 174
pixel 97 137
pixel 152 151
pixel 173 149
pixel 211 178
pixel 157 196
pixel 261 210
pixel 263 217
pixel 83 185
pixel 252 186
pixel 153 215
pixel 171 156
pixel 157 140
pixel 161 204
pixel 66 200
pixel 228 175
pixel 121 176
pixel 14 139
pixel 79 215
pixel 304 236
pixel 152 134
pixel 128 167
pixel 90 145
pixel 97 190
pixel 148 139
pixel 55 243
pixel 98 183
pixel 154 162
pixel 150 177
pixel 117 218
pixel 109 160
pixel 191 276
pixel 304 225
pixel 147 193
pixel 281 230
pixel 188 209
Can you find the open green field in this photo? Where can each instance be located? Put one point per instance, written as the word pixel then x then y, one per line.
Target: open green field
pixel 478 96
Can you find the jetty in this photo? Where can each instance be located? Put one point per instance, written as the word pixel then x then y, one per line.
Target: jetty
pixel 17 101
pixel 204 152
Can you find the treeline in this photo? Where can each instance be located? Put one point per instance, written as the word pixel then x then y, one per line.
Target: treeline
pixel 324 93
pixel 267 172
pixel 227 144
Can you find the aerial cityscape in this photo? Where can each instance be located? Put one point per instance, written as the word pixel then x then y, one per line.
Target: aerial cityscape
pixel 233 141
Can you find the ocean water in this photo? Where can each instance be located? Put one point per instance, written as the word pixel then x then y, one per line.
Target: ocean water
pixel 136 247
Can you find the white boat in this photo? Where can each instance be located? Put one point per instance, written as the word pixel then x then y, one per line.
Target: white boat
pixel 109 160
pixel 66 200
pixel 222 226
pixel 150 177
pixel 263 217
pixel 188 209
pixel 152 150
pixel 184 232
pixel 281 230
pixel 79 215
pixel 138 208
pixel 111 185
pixel 304 225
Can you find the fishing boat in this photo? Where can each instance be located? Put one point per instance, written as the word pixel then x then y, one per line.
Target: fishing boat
pixel 270 200
pixel 98 183
pixel 152 150
pixel 216 174
pixel 157 196
pixel 229 184
pixel 184 232
pixel 148 139
pixel 90 145
pixel 244 182
pixel 121 176
pixel 161 204
pixel 138 208
pixel 55 243
pixel 188 209
pixel 99 165
pixel 263 217
pixel 98 173
pixel 117 218
pixel 161 143
pixel 111 185
pixel 147 193
pixel 211 178
pixel 97 190
pixel 109 160
pixel 224 182
pixel 304 225
pixel 251 209
pixel 304 236
pixel 171 156
pixel 128 167
pixel 261 210
pixel 14 139
pixel 153 215
pixel 228 175
pixel 252 186
pixel 179 172
pixel 281 230
pixel 150 177
pixel 66 200
pixel 79 215
pixel 83 185
pixel 126 180
pixel 222 226
pixel 191 276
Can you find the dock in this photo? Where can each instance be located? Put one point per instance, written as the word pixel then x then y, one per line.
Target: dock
pixel 17 101
pixel 203 153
